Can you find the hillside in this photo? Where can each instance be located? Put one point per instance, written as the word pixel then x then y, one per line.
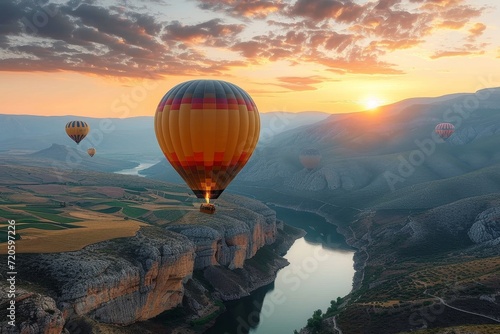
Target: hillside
pixel 124 138
pixel 374 153
pixel 422 212
pixel 102 251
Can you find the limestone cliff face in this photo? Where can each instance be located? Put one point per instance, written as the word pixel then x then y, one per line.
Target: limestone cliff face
pixel 43 316
pixel 231 236
pixel 126 280
pixel 119 281
pixel 486 226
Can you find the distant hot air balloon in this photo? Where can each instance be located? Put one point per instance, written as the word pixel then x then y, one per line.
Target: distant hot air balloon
pixel 310 158
pixel 77 130
pixel 207 130
pixel 91 151
pixel 444 130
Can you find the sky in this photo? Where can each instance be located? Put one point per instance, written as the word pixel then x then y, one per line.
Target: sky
pixel 117 58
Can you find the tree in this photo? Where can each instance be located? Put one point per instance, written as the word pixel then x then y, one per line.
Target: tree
pixel 315 322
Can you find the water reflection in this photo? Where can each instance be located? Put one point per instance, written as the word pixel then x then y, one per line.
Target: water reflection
pixel 319 231
pixel 320 270
pixel 241 315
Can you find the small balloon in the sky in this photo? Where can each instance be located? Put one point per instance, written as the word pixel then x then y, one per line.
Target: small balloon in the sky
pixel 91 151
pixel 310 158
pixel 444 130
pixel 77 130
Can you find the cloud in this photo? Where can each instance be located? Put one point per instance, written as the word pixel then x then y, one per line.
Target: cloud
pixel 476 31
pixel 212 32
pixel 319 10
pixel 357 62
pixel 452 24
pixel 386 4
pixel 132 40
pixel 110 41
pixel 300 83
pixel 456 53
pixel 258 9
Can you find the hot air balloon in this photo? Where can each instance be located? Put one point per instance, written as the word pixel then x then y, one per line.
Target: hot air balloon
pixel 207 130
pixel 91 151
pixel 77 130
pixel 310 158
pixel 444 130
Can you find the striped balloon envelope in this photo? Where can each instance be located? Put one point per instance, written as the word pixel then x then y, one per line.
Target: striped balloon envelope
pixel 444 130
pixel 77 130
pixel 207 130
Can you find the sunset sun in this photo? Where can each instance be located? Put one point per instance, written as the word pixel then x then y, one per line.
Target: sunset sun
pixel 372 103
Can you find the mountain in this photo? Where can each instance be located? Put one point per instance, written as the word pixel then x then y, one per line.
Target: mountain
pixel 376 152
pixel 132 138
pixel 116 136
pixel 63 158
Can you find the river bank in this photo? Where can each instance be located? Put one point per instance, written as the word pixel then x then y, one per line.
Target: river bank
pixel 320 270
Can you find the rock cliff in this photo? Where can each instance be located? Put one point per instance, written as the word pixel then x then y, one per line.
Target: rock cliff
pixel 118 281
pixel 126 280
pixel 486 226
pixel 41 312
pixel 231 236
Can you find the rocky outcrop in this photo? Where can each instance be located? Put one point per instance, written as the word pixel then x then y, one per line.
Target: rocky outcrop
pixel 231 236
pixel 118 281
pixel 122 281
pixel 256 272
pixel 39 314
pixel 486 226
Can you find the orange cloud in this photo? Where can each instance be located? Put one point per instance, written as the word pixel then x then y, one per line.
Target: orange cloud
pixel 452 24
pixel 356 61
pixel 441 54
pixel 476 31
pixel 300 83
pixel 395 45
pixel 341 35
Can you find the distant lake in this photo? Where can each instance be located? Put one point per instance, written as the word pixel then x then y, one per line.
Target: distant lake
pixel 135 170
pixel 320 270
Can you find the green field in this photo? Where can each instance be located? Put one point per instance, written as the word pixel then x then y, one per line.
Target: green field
pixel 8 214
pixel 112 209
pixel 170 215
pixel 134 212
pixel 42 226
pixel 54 217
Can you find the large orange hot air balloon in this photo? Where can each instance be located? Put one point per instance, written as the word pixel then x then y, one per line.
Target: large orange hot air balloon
pixel 77 130
pixel 207 130
pixel 444 130
pixel 310 158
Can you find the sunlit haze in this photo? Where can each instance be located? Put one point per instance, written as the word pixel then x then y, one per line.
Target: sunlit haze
pixel 117 59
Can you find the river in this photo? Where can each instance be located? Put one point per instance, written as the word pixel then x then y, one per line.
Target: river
pixel 320 270
pixel 135 170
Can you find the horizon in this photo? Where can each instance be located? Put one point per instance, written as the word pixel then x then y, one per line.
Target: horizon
pixel 113 61
pixel 374 109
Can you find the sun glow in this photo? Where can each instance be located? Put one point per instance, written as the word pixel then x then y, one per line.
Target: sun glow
pixel 372 103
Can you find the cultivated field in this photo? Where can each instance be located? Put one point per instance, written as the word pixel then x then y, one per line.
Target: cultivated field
pixel 66 216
